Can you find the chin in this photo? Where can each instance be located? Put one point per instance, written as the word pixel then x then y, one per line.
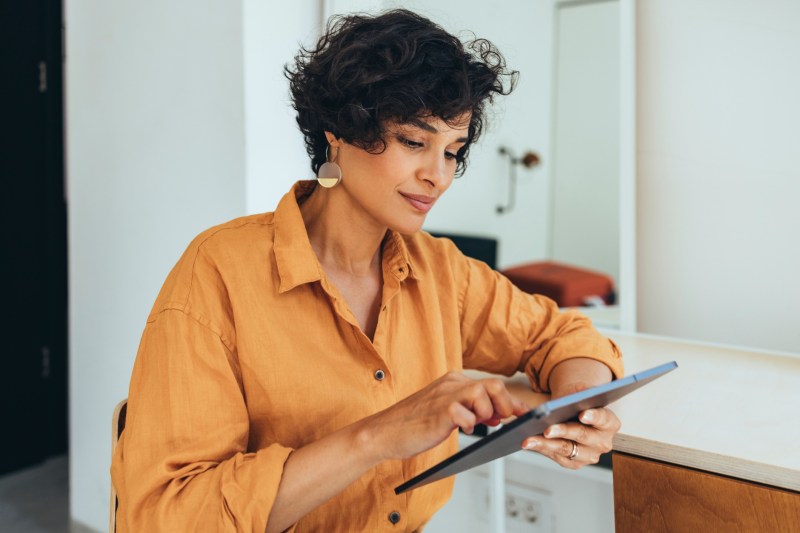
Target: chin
pixel 407 227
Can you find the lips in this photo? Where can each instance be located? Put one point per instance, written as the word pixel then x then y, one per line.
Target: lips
pixel 420 202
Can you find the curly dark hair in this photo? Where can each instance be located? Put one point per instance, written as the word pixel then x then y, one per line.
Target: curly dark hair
pixel 367 71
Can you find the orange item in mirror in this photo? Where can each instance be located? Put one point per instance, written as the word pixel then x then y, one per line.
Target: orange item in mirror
pixel 568 285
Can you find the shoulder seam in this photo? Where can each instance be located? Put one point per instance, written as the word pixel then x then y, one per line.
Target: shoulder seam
pixel 197 318
pixel 213 233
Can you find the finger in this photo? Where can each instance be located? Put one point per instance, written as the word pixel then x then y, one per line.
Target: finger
pixel 592 422
pixel 552 448
pixel 478 401
pixel 494 421
pixel 572 431
pixel 601 418
pixel 488 399
pixel 462 417
pixel 597 440
pixel 520 407
pixel 503 403
pixel 559 450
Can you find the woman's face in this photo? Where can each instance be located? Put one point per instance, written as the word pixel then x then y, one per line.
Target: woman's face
pixel 396 188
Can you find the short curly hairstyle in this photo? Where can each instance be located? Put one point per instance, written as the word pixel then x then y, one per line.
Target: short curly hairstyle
pixel 367 71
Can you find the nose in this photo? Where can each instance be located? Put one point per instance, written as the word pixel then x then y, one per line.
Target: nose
pixel 436 171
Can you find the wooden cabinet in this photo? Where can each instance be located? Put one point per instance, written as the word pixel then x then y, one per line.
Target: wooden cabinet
pixel 651 496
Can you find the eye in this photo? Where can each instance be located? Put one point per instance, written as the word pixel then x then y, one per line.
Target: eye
pixel 457 155
pixel 409 142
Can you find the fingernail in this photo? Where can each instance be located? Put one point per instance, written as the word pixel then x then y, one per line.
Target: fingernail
pixel 554 431
pixel 530 445
pixel 588 416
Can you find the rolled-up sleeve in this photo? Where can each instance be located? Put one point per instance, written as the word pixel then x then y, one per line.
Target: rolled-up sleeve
pixel 183 462
pixel 505 330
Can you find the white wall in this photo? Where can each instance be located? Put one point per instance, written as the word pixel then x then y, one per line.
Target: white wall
pixel 718 173
pixel 275 154
pixel 155 135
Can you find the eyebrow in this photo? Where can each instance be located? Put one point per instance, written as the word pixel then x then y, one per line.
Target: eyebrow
pixel 427 127
pixel 423 125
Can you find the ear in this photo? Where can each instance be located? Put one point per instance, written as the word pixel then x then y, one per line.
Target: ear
pixel 332 140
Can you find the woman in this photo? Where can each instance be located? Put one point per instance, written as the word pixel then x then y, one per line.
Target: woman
pixel 299 365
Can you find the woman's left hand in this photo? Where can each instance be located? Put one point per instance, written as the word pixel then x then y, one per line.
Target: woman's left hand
pixel 577 444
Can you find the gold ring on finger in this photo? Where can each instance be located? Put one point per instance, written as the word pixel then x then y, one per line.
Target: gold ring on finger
pixel 574 453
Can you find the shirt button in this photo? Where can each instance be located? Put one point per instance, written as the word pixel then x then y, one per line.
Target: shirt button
pixel 380 374
pixel 394 517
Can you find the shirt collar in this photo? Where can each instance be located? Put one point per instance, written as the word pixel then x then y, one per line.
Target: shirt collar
pixel 396 257
pixel 296 261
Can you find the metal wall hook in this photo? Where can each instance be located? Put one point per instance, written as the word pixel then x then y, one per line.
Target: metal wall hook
pixel 528 160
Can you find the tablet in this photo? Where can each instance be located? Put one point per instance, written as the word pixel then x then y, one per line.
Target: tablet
pixel 508 439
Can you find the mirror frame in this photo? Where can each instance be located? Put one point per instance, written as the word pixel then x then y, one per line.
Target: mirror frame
pixel 627 185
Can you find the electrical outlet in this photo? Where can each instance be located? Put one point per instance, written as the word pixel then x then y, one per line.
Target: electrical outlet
pixel 528 509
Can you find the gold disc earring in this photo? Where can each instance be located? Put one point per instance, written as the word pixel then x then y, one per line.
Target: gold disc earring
pixel 329 173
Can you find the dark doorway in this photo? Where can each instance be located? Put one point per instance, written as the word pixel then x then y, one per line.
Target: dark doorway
pixel 33 270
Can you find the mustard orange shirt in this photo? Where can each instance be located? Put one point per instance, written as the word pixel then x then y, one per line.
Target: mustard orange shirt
pixel 250 352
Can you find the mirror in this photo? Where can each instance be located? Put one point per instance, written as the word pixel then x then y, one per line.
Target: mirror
pixel 573 108
pixel 585 170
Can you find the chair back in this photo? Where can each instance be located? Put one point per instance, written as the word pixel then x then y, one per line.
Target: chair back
pixel 117 425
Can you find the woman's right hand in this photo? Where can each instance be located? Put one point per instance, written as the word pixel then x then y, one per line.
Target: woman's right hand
pixel 321 469
pixel 429 416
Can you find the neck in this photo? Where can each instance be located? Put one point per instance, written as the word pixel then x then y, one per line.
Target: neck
pixel 339 239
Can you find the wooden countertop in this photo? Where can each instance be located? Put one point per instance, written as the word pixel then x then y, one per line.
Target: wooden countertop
pixel 730 411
